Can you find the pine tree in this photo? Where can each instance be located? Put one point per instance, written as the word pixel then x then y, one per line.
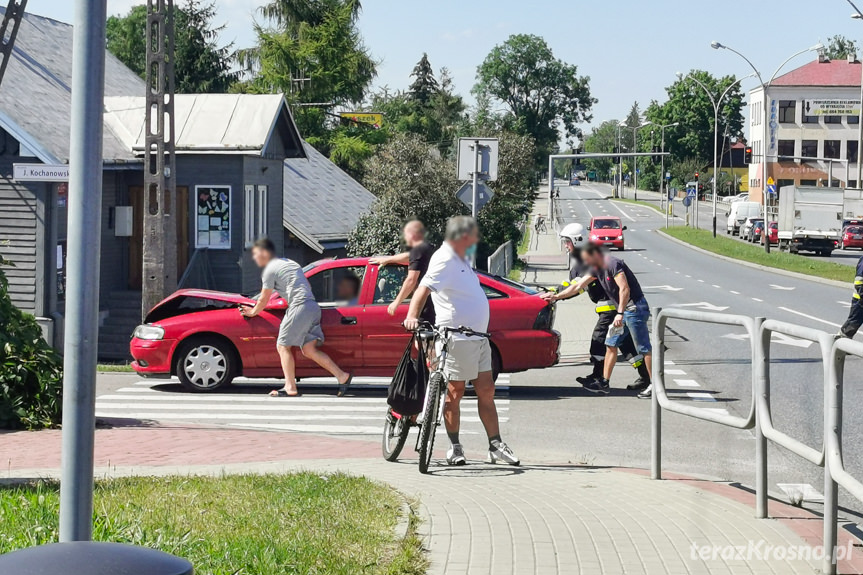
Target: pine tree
pixel 425 86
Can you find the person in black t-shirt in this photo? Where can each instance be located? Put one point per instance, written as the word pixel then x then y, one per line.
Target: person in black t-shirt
pixel 417 260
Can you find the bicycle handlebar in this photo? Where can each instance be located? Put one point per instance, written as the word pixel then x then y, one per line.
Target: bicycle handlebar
pixel 446 330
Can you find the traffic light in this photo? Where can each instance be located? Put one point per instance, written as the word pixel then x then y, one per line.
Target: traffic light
pixel 696 176
pixel 747 155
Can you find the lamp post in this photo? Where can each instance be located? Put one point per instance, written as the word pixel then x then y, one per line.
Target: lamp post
pixel 765 86
pixel 717 103
pixel 635 158
pixel 619 186
pixel 662 183
pixel 859 16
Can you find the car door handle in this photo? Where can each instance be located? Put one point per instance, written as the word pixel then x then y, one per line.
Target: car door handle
pixel 349 321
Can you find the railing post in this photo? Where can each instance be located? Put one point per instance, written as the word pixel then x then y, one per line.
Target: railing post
pixel 761 391
pixel 655 409
pixel 832 428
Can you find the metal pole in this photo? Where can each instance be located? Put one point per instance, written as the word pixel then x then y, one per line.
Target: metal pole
pixel 84 230
pixel 716 160
pixel 859 185
pixel 475 201
pixel 664 184
pixel 655 409
pixel 759 366
pixel 550 185
pixel 635 162
pixel 764 148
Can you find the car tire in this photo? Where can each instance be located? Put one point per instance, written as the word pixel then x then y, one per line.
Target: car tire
pixel 620 249
pixel 205 364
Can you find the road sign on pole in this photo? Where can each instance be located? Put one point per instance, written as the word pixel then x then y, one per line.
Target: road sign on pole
pixel 467 164
pixel 771 187
pixel 465 195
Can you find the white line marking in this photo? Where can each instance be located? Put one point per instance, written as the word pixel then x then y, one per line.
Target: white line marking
pixel 701 281
pixel 622 212
pixel 700 396
pixel 686 383
pixel 735 292
pixel 758 300
pixel 689 276
pixel 716 286
pixel 783 288
pixel 256 417
pixel 345 429
pixel 843 303
pixel 674 372
pixel 716 410
pixel 813 318
pixel 306 401
pixel 669 362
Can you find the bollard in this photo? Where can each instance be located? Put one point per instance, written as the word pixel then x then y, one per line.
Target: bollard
pixel 90 558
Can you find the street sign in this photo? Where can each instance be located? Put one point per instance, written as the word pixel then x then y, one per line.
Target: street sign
pixel 373 120
pixel 823 107
pixel 690 193
pixel 667 175
pixel 687 201
pixel 484 195
pixel 771 187
pixel 40 173
pixel 488 153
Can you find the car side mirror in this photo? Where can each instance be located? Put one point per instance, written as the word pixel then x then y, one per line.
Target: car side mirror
pixel 727 214
pixel 624 227
pixel 588 228
pixel 278 303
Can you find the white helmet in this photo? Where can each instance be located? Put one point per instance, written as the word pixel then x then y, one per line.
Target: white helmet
pixel 574 233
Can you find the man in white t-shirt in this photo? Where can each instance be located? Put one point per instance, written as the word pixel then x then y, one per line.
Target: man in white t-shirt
pixel 460 301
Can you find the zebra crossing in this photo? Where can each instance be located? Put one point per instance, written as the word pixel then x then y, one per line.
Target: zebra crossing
pixel 247 405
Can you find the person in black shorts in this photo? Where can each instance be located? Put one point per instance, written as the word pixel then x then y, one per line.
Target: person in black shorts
pixel 417 259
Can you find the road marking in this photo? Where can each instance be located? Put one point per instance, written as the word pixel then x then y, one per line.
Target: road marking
pixel 716 286
pixel 701 281
pixel 700 396
pixel 795 490
pixel 813 318
pixel 669 362
pixel 630 218
pixel 674 372
pixel 735 292
pixel 186 416
pixel 664 288
pixel 702 305
pixel 758 300
pixel 686 383
pixel 783 288
pixel 305 402
pixel 843 303
pixel 343 429
pixel 779 338
pixel 718 410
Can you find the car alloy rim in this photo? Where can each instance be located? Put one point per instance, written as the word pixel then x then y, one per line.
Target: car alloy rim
pixel 205 366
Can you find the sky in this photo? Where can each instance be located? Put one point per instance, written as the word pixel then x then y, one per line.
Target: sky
pixel 630 49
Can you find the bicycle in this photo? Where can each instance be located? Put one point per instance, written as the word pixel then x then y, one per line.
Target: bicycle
pixel 539 227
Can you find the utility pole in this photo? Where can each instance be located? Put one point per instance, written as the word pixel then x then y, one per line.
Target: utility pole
pixel 82 287
pixel 160 198
pixel 13 15
pixel 475 201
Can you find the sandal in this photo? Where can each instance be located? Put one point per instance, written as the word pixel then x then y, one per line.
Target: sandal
pixel 343 387
pixel 283 393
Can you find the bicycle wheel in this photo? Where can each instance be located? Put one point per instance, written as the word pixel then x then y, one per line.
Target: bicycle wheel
pixel 396 431
pixel 429 426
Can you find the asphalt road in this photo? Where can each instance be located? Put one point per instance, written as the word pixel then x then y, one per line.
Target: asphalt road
pixel 711 364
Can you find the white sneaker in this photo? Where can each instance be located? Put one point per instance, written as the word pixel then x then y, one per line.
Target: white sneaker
pixel 455 455
pixel 502 452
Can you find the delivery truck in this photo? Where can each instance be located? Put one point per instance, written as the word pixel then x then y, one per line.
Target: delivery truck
pixel 810 219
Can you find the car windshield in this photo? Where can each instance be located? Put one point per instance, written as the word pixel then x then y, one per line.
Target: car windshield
pixel 606 225
pixel 514 284
pixel 854 230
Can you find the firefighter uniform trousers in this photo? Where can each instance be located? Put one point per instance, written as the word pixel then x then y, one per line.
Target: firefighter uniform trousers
pixel 855 314
pixel 606 311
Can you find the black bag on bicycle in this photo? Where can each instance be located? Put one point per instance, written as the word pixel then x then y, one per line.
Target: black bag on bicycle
pixel 407 388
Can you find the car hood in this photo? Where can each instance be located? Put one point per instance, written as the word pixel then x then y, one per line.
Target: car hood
pixel 611 232
pixel 167 307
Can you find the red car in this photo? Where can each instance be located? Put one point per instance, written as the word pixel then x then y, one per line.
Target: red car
pixel 852 237
pixel 772 233
pixel 607 231
pixel 200 337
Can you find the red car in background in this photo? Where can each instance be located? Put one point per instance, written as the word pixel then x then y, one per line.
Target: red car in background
pixel 607 231
pixel 852 237
pixel 200 337
pixel 772 233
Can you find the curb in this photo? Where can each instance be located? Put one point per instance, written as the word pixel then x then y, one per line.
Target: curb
pixel 406 514
pixel 779 271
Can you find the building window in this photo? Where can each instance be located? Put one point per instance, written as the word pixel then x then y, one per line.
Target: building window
pixel 832 119
pixel 809 149
pixel 786 148
pixel 809 119
pixel 853 120
pixel 787 111
pixel 833 149
pixel 213 229
pixel 808 182
pixel 852 151
pixel 256 213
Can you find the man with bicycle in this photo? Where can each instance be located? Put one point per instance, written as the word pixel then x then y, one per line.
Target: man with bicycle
pixel 460 301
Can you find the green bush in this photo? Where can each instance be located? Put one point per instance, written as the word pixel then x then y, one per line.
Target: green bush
pixel 31 372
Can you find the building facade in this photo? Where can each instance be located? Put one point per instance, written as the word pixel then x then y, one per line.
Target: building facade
pixel 813 126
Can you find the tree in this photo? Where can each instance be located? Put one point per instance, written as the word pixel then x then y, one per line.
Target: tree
pixel 292 13
pixel 425 85
pixel 839 47
pixel 201 65
pixel 603 139
pixel 540 91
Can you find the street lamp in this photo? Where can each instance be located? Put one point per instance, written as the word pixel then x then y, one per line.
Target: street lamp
pixel 717 103
pixel 765 86
pixel 635 158
pixel 619 186
pixel 662 183
pixel 858 15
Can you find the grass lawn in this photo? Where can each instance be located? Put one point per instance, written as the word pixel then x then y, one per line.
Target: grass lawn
pixel 301 523
pixel 115 367
pixel 521 249
pixel 755 254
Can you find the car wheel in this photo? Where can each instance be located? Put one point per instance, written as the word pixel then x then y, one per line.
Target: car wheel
pixel 205 364
pixel 620 248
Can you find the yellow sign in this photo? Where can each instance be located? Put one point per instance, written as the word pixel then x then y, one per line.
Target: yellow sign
pixel 374 120
pixel 770 181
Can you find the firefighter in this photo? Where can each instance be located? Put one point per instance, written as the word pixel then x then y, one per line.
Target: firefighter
pixel 855 314
pixel 574 237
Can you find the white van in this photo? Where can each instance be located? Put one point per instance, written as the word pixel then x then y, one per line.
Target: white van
pixel 737 214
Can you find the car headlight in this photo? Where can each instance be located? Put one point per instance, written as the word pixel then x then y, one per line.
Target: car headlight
pixel 149 332
pixel 594 237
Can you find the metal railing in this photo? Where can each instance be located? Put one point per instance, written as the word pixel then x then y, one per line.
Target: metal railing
pixel 833 350
pixel 500 262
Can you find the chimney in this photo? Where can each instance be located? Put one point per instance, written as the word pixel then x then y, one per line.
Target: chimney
pixel 823 58
pixel 852 58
